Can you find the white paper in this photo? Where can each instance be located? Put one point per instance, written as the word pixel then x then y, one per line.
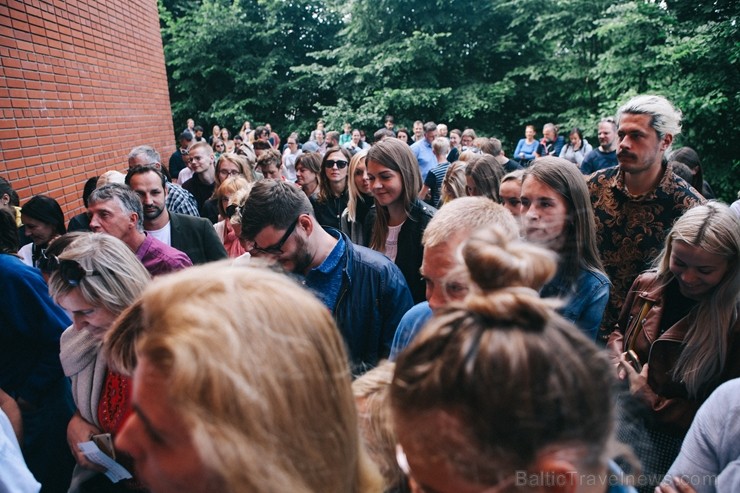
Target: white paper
pixel 115 471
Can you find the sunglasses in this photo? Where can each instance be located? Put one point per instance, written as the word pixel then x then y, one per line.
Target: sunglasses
pixel 330 163
pixel 277 248
pixel 72 272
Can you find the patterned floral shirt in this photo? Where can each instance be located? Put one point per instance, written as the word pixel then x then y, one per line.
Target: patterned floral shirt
pixel 631 229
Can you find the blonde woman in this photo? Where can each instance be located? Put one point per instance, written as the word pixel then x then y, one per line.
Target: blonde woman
pixel 680 322
pixel 225 199
pixel 94 279
pixel 360 199
pixel 454 184
pixel 243 398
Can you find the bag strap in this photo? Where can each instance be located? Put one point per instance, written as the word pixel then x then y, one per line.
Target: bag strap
pixel 639 324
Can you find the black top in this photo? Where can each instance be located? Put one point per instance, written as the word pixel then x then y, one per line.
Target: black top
pixel 329 212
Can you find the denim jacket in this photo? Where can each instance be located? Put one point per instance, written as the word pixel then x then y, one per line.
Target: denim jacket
pixel 373 298
pixel 585 301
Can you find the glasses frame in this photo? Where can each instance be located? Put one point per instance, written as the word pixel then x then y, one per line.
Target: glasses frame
pixel 276 249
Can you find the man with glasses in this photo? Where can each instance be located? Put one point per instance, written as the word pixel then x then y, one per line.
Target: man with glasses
pixel 194 236
pixel 365 292
pixel 604 156
pixel 178 200
pixel 115 209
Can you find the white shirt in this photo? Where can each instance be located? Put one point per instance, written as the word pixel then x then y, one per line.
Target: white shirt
pixel 164 235
pixel 14 474
pixel 391 242
pixel 185 175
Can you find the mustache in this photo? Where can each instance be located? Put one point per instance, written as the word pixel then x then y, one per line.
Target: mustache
pixel 626 154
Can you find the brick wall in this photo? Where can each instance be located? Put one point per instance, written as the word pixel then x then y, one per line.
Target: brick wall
pixel 81 83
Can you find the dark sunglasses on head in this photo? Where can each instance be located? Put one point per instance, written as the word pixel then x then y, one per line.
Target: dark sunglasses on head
pixel 72 272
pixel 340 163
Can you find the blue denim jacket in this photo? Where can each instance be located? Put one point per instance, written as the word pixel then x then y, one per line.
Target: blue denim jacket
pixel 585 301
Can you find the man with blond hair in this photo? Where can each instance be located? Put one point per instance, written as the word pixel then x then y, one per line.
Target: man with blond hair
pixel 446 232
pixel 636 202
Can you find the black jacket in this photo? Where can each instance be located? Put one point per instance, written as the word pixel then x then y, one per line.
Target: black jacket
pixel 196 237
pixel 410 250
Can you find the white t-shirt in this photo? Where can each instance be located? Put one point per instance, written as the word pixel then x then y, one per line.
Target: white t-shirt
pixel 185 175
pixel 391 242
pixel 164 235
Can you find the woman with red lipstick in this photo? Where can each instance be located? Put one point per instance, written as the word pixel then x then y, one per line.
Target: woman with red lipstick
pixel 556 212
pixel 400 217
pixel 678 335
pixel 94 279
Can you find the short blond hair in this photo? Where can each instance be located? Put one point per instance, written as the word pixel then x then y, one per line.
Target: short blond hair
pixel 465 215
pixel 266 393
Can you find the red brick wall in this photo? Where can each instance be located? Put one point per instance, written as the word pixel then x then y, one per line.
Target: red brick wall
pixel 81 83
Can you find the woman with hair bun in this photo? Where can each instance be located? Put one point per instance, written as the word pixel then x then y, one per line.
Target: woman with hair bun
pixel 678 335
pixel 556 212
pixel 516 396
pixel 94 279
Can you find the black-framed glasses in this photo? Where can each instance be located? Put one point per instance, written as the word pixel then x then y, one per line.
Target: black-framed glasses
pixel 339 163
pixel 277 248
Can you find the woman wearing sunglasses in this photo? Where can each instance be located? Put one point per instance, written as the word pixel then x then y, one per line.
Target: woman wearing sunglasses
pixel 400 217
pixel 95 278
pixel 332 197
pixel 225 197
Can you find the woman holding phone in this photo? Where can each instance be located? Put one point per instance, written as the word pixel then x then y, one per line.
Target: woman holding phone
pixel 679 327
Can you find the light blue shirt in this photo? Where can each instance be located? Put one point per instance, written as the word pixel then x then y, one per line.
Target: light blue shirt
pixel 425 156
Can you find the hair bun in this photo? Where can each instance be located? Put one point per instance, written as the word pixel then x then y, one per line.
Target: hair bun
pixel 495 263
pixel 508 275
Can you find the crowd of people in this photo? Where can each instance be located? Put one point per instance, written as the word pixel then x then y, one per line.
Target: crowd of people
pixel 419 314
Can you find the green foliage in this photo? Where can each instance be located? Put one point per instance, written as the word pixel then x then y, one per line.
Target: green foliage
pixel 493 65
